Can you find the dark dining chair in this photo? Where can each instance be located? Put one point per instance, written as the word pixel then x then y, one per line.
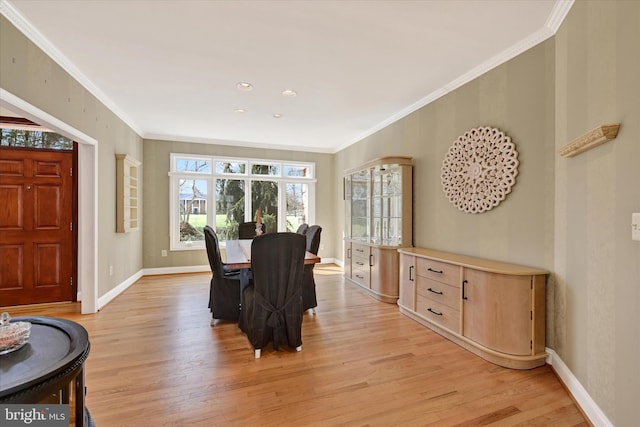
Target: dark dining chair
pixel 247 230
pixel 272 303
pixel 224 291
pixel 302 229
pixel 309 300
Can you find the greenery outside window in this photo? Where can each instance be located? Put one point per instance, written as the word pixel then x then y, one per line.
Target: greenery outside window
pixel 224 192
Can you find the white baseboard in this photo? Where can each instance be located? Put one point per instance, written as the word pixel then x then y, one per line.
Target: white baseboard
pixel 110 296
pixel 590 408
pixel 176 270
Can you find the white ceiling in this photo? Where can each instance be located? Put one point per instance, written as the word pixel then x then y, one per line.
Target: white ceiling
pixel 169 68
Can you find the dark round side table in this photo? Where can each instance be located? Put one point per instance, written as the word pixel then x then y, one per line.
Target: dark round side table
pixel 51 362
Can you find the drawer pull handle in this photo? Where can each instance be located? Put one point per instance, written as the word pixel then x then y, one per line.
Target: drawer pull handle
pixel 435 292
pixel 371 260
pixel 411 273
pixel 464 285
pixel 359 276
pixel 349 253
pixel 359 263
pixel 434 312
pixel 434 271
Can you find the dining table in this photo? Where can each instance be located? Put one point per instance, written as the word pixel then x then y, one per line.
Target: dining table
pixel 237 256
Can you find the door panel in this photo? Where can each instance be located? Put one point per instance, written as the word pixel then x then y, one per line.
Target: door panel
pixel 36 237
pixel 11 212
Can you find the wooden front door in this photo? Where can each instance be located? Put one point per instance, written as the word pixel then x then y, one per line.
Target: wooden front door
pixel 37 257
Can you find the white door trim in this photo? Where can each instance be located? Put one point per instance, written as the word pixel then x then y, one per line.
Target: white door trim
pixel 87 194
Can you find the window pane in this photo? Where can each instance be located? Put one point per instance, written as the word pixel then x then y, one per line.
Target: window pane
pixel 193 165
pixel 193 209
pixel 231 167
pixel 229 207
pixel 265 169
pixel 297 170
pixel 264 196
pixel 297 205
pixel 34 139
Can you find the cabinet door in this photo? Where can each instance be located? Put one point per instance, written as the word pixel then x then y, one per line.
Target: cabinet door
pixel 360 205
pixel 347 259
pixel 497 311
pixel 347 208
pixel 407 281
pixel 384 271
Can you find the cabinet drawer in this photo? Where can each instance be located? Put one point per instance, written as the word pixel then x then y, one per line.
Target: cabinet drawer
pixel 360 251
pixel 359 263
pixel 438 313
pixel 440 271
pixel 440 292
pixel 361 277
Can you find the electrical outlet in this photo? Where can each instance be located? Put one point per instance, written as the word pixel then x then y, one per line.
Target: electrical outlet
pixel 635 226
pixel 163 253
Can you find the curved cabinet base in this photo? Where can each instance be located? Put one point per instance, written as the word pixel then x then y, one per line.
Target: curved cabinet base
pixel 391 299
pixel 501 359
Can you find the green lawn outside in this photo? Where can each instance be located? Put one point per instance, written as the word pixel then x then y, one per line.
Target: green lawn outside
pixel 200 220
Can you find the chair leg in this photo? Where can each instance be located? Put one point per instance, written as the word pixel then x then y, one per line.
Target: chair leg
pixel 299 348
pixel 257 353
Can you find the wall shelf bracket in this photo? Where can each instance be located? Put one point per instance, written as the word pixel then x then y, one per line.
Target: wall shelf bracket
pixel 591 139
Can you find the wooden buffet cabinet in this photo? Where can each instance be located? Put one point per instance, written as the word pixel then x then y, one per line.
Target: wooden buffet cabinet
pixel 378 220
pixel 493 309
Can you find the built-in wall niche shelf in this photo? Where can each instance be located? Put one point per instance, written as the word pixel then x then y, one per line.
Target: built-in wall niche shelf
pixel 127 192
pixel 591 139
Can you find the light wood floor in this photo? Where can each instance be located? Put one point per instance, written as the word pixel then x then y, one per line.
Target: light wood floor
pixel 156 361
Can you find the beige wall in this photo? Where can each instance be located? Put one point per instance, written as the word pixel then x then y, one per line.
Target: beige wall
pixel 28 73
pixel 156 201
pixel 597 265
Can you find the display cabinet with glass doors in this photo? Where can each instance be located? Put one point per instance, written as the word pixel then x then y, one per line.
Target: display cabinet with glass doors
pixel 378 220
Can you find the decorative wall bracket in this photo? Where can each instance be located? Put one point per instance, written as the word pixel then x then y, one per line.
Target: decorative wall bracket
pixel 591 139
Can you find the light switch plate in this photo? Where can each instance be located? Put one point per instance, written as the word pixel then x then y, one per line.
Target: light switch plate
pixel 635 226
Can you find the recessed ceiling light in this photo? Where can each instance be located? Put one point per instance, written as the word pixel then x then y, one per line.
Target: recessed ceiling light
pixel 277 115
pixel 244 86
pixel 240 110
pixel 289 92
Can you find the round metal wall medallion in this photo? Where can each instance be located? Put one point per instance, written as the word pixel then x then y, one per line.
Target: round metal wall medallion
pixel 479 169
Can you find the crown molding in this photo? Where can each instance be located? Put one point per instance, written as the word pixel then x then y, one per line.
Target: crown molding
pixel 559 12
pixel 26 28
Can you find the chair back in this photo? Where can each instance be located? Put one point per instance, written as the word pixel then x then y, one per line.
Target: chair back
pixel 313 239
pixel 302 229
pixel 247 230
pixel 213 251
pixel 224 290
pixel 274 301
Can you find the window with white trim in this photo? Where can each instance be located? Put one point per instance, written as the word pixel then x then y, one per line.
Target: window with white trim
pixel 224 192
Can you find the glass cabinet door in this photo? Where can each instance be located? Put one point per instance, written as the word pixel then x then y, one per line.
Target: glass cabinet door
pixel 347 206
pixel 387 205
pixel 360 205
